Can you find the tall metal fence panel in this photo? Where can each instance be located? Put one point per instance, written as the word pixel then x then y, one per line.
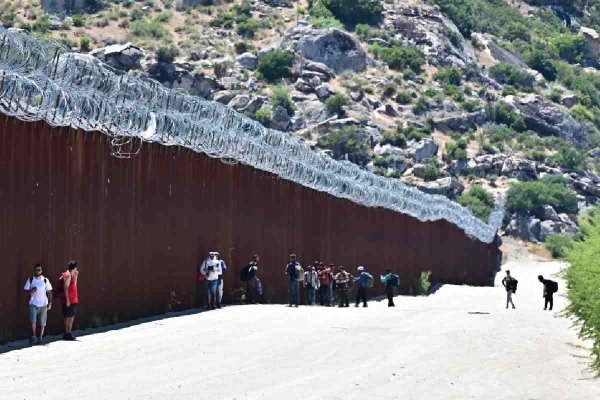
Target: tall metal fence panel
pixel 140 227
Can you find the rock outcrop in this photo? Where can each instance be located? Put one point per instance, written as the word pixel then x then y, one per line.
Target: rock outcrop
pixel 123 57
pixel 63 6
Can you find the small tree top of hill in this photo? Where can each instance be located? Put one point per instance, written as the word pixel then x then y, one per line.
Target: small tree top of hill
pixel 356 11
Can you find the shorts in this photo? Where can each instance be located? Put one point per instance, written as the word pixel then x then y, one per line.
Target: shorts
pixel 38 314
pixel 211 287
pixel 69 312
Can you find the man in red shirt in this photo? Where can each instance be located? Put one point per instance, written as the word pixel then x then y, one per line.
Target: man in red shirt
pixel 69 297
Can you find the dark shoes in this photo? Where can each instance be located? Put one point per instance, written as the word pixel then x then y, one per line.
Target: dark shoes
pixel 69 337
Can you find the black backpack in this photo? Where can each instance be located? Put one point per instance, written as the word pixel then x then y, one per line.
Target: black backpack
pixel 31 280
pixel 553 286
pixel 394 281
pixel 244 273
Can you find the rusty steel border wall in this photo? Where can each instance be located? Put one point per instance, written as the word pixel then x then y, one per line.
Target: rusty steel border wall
pixel 139 227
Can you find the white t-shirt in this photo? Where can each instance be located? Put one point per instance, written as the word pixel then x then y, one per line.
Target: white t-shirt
pixel 39 298
pixel 212 269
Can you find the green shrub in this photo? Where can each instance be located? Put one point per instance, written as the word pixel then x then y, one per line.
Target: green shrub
pixel 84 44
pixel 558 245
pixel 511 75
pixel 263 116
pixel 455 151
pixel 460 12
pixel 164 17
pixel 42 24
pixel 321 17
pixel 583 288
pixel 275 65
pixel 404 97
pixel 356 11
pixel 400 57
pixel 432 170
pixel 221 69
pixel 336 103
pixel 541 61
pixel 570 47
pixel 423 284
pixel 571 159
pixel 471 105
pixel 281 97
pixel 517 30
pixel 532 196
pixel 78 21
pixel 394 138
pixel 421 106
pixel 248 28
pixel 346 142
pixel 448 76
pixel 243 47
pixel 502 113
pixel 166 54
pixel 363 31
pixel 479 201
pixel 153 29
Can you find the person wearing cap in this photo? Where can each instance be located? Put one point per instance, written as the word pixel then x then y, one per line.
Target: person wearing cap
pixel 220 282
pixel 292 269
pixel 361 293
pixel 311 283
pixel 211 269
pixel 69 297
pixel 342 279
pixel 40 301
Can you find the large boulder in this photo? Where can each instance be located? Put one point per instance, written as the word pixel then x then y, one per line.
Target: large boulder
pixel 173 77
pixel 124 57
pixel 519 168
pixel 248 61
pixel 487 164
pixel 434 34
pixel 592 45
pixel 449 187
pixel 63 6
pixel 524 226
pixel 280 119
pixel 547 118
pixel 461 123
pixel 422 150
pixel 335 48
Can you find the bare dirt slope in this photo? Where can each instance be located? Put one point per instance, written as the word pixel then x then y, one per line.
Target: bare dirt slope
pixel 460 343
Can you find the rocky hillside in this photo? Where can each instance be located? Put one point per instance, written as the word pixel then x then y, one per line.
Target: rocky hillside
pixel 471 99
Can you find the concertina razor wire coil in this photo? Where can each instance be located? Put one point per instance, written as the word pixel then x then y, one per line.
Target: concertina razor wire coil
pixel 41 80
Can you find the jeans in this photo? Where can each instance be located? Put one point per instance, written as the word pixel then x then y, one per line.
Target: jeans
pixel 219 291
pixel 343 292
pixel 324 295
pixel 211 289
pixel 389 292
pixel 361 295
pixel 330 293
pixel 310 295
pixel 294 293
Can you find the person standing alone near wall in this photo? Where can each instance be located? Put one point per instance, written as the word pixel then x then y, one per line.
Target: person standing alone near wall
pixel 40 301
pixel 69 297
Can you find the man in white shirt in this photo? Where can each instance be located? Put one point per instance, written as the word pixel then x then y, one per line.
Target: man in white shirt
pixel 40 301
pixel 211 269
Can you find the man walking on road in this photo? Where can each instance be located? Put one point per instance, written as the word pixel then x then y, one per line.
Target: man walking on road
pixel 510 284
pixel 40 301
pixel 391 282
pixel 550 287
pixel 292 270
pixel 69 297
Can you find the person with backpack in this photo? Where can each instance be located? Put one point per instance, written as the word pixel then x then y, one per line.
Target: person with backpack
pixel 311 283
pixel 248 275
pixel 220 282
pixel 391 281
pixel 364 280
pixel 342 280
pixel 293 271
pixel 40 301
pixel 550 287
pixel 510 284
pixel 211 269
pixel 69 296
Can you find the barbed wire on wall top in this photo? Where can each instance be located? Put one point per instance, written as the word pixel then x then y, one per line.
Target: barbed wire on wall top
pixel 41 80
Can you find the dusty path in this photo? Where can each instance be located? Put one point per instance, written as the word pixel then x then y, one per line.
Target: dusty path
pixel 425 348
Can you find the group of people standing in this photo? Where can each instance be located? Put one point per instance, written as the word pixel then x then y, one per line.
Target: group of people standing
pixel 321 281
pixel 550 287
pixel 41 294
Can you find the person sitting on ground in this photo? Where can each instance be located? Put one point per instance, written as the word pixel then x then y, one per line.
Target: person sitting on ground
pixel 361 280
pixel 40 301
pixel 311 283
pixel 292 269
pixel 549 288
pixel 342 279
pixel 510 284
pixel 69 297
pixel 211 269
pixel 391 281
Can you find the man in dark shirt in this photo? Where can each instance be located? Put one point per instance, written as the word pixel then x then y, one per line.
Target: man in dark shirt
pixel 548 292
pixel 292 270
pixel 509 284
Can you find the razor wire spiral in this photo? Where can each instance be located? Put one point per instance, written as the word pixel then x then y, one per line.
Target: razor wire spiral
pixel 40 80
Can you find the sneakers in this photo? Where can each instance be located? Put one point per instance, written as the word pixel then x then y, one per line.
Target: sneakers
pixel 41 341
pixel 69 337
